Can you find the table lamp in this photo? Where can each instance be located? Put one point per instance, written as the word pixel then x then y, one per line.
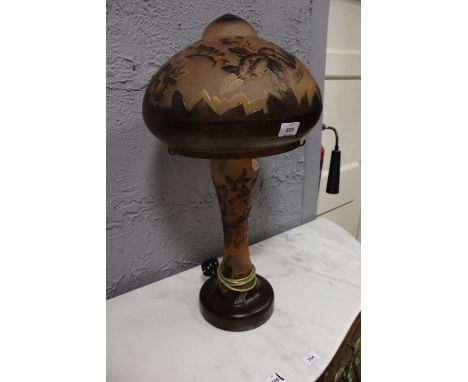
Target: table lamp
pixel 233 97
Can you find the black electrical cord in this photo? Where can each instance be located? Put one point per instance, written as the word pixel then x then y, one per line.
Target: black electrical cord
pixel 333 183
pixel 325 127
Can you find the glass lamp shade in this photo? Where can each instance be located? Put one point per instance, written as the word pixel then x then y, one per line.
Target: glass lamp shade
pixel 227 96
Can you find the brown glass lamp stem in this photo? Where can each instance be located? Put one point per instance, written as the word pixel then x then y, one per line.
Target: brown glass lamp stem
pixel 234 181
pixel 236 298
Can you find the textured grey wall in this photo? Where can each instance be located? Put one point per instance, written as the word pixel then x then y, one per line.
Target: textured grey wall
pixel 162 213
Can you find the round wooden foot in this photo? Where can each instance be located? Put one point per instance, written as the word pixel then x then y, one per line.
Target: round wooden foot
pixel 235 311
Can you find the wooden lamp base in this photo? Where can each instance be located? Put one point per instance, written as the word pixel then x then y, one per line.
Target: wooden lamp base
pixel 236 299
pixel 229 311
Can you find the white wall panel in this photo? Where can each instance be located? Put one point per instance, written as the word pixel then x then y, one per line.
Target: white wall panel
pixel 342 110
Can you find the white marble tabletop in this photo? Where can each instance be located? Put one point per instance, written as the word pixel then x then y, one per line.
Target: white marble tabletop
pixel 156 333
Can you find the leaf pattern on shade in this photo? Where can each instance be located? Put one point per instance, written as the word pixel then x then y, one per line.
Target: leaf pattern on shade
pixel 167 76
pixel 264 61
pixel 239 41
pixel 267 62
pixel 211 53
pixel 273 81
pixel 230 83
pixel 299 74
pixel 279 54
pixel 231 69
pixel 240 51
pixel 276 68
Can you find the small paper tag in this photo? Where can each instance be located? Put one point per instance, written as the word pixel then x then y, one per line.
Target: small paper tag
pixel 277 377
pixel 289 128
pixel 254 164
pixel 310 358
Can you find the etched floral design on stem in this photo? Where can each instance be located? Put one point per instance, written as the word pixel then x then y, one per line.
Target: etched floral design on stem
pixel 234 181
pixel 235 201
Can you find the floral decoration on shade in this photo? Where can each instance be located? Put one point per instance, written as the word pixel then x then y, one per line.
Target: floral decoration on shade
pixel 202 50
pixel 167 75
pixel 253 63
pixel 269 63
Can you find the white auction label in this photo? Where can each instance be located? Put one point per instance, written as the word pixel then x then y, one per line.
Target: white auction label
pixel 277 377
pixel 310 358
pixel 289 128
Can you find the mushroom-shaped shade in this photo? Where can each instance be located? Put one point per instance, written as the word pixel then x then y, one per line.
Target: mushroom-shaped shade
pixel 230 94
